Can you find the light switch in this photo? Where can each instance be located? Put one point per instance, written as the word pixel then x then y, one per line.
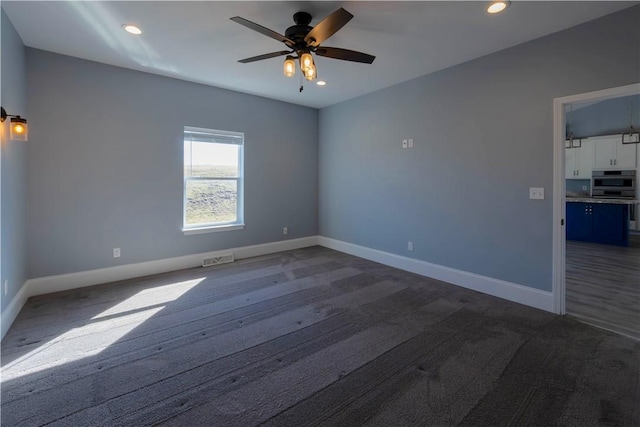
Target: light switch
pixel 404 143
pixel 410 142
pixel 536 193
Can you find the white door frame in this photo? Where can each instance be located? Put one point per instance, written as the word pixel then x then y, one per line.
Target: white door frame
pixel 559 242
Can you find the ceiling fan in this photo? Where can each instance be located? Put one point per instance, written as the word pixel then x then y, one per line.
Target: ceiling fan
pixel 302 40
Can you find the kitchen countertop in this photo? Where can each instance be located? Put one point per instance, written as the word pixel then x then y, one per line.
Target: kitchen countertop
pixel 609 201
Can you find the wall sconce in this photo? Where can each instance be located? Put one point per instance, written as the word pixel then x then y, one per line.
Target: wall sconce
pixel 18 130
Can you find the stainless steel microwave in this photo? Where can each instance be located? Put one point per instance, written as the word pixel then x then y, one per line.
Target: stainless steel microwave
pixel 619 184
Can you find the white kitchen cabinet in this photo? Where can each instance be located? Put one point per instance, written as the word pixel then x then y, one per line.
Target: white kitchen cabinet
pixel 578 161
pixel 611 153
pixel 626 155
pixel 570 163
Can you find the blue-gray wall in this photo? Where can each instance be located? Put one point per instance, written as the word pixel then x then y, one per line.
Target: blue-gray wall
pixel 12 166
pixel 105 165
pixel 608 117
pixel 483 135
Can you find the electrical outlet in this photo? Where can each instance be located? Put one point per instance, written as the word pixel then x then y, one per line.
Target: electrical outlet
pixel 410 246
pixel 285 230
pixel 410 142
pixel 6 287
pixel 536 193
pixel 116 252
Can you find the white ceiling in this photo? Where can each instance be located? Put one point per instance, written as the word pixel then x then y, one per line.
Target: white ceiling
pixel 196 41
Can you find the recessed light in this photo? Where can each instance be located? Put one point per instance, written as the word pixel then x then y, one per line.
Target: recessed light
pixel 498 6
pixel 130 28
pixel 321 83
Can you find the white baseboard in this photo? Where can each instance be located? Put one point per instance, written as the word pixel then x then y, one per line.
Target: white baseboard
pixel 510 291
pixel 499 288
pixel 12 310
pixel 64 282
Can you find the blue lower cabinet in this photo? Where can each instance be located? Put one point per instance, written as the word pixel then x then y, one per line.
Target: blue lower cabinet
pixel 579 221
pixel 598 223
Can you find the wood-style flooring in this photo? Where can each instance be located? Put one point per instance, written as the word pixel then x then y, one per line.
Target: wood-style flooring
pixel 603 285
pixel 308 337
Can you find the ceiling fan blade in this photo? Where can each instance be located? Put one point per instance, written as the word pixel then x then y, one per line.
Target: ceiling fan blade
pixel 263 30
pixel 265 56
pixel 345 54
pixel 327 27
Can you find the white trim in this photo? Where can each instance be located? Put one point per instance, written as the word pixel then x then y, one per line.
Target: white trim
pixel 559 208
pixel 63 282
pixel 212 229
pixel 239 222
pixel 559 214
pixel 12 310
pixel 499 288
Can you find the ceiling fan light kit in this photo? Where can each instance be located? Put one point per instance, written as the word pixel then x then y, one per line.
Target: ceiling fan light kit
pixel 303 40
pixel 310 73
pixel 307 66
pixel 306 61
pixel 289 66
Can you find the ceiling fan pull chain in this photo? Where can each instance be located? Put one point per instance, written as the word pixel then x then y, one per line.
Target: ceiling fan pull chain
pixel 300 78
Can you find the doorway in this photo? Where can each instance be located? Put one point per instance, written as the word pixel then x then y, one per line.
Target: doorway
pixel 559 200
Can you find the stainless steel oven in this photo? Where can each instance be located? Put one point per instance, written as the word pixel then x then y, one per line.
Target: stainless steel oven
pixel 613 184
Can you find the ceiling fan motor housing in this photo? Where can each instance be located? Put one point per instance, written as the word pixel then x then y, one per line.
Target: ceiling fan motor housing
pixel 298 32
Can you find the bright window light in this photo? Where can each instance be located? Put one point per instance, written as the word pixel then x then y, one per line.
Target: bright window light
pixel 105 329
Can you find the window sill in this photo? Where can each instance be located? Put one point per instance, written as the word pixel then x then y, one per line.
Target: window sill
pixel 212 229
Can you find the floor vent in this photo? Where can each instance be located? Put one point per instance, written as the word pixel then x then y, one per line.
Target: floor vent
pixel 222 259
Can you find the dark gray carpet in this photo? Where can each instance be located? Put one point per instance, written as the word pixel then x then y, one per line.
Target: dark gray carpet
pixel 308 337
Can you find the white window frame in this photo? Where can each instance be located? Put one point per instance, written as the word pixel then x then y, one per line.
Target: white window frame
pixel 238 224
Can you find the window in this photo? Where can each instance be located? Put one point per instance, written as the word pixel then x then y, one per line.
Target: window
pixel 213 170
